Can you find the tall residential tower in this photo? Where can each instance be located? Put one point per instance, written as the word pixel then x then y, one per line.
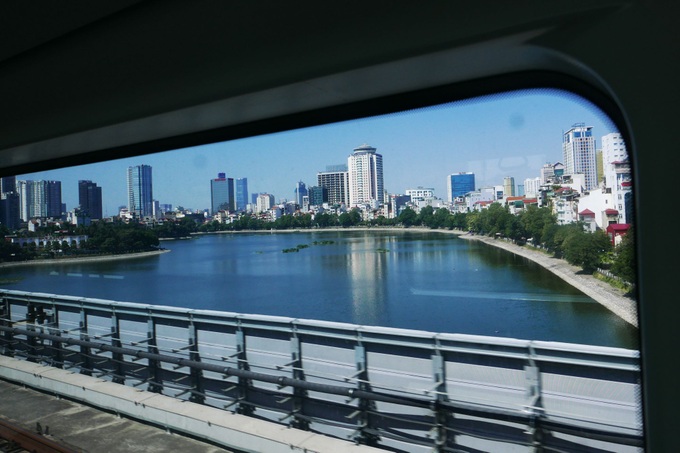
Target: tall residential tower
pixel 365 168
pixel 578 147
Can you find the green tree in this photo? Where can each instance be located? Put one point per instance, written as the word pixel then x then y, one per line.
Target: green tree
pixel 426 217
pixel 625 263
pixel 440 219
pixel 355 216
pixel 345 220
pixel 408 217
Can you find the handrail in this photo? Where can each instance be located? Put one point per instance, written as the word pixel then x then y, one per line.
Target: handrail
pixel 376 385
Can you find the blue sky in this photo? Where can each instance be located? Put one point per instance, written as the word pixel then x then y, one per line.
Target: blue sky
pixel 511 134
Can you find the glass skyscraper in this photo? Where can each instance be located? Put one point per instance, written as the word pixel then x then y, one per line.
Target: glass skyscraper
pixel 241 194
pixel 90 199
pixel 300 192
pixel 458 184
pixel 222 194
pixel 140 190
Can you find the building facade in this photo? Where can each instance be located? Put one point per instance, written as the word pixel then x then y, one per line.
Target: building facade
pixel 509 186
pixel 140 191
pixel 10 207
pixel 300 192
pixel 90 199
pixel 241 194
pixel 222 194
pixel 459 184
pixel 365 167
pixel 578 148
pixel 39 199
pixel 265 202
pixel 317 195
pixel 336 181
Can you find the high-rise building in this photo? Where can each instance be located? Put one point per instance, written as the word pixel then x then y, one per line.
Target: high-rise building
pixel 336 180
pixel 10 207
pixel 39 199
pixel 617 174
pixel 300 192
pixel 578 147
pixel 613 150
pixel 318 195
pixel 222 194
pixel 140 190
pixel 264 202
pixel 531 186
pixel 365 168
pixel 90 199
pixel 509 186
pixel 241 194
pixel 458 184
pixel 8 184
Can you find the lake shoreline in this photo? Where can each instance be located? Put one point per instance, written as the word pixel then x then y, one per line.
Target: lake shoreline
pixel 84 259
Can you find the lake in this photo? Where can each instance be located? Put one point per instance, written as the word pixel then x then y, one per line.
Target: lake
pixel 414 280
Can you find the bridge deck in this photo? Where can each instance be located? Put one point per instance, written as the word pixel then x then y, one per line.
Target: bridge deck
pixel 84 428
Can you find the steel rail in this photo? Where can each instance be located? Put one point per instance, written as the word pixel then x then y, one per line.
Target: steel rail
pixel 31 441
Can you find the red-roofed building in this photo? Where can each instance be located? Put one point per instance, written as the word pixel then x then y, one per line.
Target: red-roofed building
pixel 588 217
pixel 616 231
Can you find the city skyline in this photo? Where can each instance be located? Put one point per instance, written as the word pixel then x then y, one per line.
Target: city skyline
pixel 493 137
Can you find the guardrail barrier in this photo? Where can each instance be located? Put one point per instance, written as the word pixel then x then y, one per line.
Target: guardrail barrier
pixel 396 389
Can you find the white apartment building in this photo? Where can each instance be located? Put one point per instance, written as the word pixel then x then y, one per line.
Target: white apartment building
pixel 532 187
pixel 578 147
pixel 365 169
pixel 617 174
pixel 265 202
pixel 420 193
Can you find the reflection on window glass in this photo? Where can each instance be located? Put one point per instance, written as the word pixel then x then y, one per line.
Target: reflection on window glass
pixel 368 208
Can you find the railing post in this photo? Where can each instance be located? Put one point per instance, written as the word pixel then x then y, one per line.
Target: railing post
pixel 299 395
pixel 534 406
pixel 442 416
pixel 197 395
pixel 119 376
pixel 244 384
pixel 31 316
pixel 154 375
pixel 53 329
pixel 6 321
pixel 365 420
pixel 85 352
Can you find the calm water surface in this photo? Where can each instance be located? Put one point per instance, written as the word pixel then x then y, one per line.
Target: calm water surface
pixel 426 281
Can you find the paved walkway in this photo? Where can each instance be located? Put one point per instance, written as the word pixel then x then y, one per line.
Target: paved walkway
pixel 87 429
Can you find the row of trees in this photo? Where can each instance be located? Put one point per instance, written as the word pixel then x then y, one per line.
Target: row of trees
pixel 103 238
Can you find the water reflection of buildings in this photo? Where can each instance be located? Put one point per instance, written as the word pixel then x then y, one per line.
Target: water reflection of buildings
pixel 367 272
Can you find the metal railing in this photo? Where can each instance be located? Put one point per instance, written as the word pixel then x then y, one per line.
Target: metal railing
pixel 396 389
